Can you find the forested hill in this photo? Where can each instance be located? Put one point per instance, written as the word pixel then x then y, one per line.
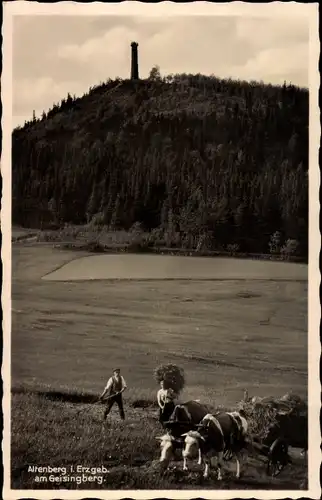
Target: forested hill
pixel 208 162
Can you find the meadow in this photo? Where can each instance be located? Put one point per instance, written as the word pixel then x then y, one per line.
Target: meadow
pixel 67 336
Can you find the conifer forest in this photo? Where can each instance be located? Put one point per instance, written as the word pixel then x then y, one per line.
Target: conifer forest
pixel 198 160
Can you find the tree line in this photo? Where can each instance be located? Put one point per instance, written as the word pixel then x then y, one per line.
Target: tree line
pixel 198 160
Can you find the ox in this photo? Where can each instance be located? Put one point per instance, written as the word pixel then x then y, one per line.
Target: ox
pixel 216 434
pixel 183 418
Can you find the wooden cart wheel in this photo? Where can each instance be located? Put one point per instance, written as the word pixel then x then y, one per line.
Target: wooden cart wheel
pixel 277 457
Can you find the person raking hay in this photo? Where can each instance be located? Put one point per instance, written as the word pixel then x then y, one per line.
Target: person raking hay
pixel 115 387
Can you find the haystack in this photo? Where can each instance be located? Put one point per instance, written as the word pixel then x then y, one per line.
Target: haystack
pixel 172 375
pixel 263 413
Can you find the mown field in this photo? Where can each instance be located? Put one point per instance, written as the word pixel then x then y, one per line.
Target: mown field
pixel 68 336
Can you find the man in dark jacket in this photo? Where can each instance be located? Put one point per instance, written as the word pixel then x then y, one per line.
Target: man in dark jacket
pixel 115 386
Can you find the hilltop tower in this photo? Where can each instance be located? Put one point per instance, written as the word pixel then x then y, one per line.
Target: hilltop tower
pixel 134 61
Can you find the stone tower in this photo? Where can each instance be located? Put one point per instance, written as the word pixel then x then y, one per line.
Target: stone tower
pixel 134 61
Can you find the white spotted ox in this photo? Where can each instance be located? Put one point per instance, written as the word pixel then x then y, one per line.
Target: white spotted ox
pixel 169 444
pixel 216 435
pixel 183 418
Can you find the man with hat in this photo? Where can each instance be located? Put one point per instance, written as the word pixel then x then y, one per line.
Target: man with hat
pixel 115 386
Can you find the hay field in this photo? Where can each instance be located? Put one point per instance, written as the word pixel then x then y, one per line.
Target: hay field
pixel 160 267
pixel 68 336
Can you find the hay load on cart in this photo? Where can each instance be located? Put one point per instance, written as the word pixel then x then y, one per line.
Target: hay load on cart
pixel 274 425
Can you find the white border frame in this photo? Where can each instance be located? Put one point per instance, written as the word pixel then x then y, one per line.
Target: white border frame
pixel 170 9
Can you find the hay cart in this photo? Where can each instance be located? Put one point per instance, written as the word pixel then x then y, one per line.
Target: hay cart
pixel 288 428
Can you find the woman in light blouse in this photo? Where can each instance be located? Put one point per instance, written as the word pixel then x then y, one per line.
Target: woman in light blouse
pixel 165 396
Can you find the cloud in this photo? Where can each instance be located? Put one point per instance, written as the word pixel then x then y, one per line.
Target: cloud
pixel 278 65
pixel 35 94
pixel 103 57
pixel 173 44
pixel 262 33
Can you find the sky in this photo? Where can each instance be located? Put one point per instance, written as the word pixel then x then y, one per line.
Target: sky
pixel 57 54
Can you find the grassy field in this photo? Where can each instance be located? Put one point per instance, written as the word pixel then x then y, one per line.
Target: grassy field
pixel 68 336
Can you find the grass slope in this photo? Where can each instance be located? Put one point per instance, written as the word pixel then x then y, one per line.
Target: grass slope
pixel 69 336
pixel 62 434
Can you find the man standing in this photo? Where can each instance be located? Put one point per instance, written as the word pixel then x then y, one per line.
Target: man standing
pixel 115 386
